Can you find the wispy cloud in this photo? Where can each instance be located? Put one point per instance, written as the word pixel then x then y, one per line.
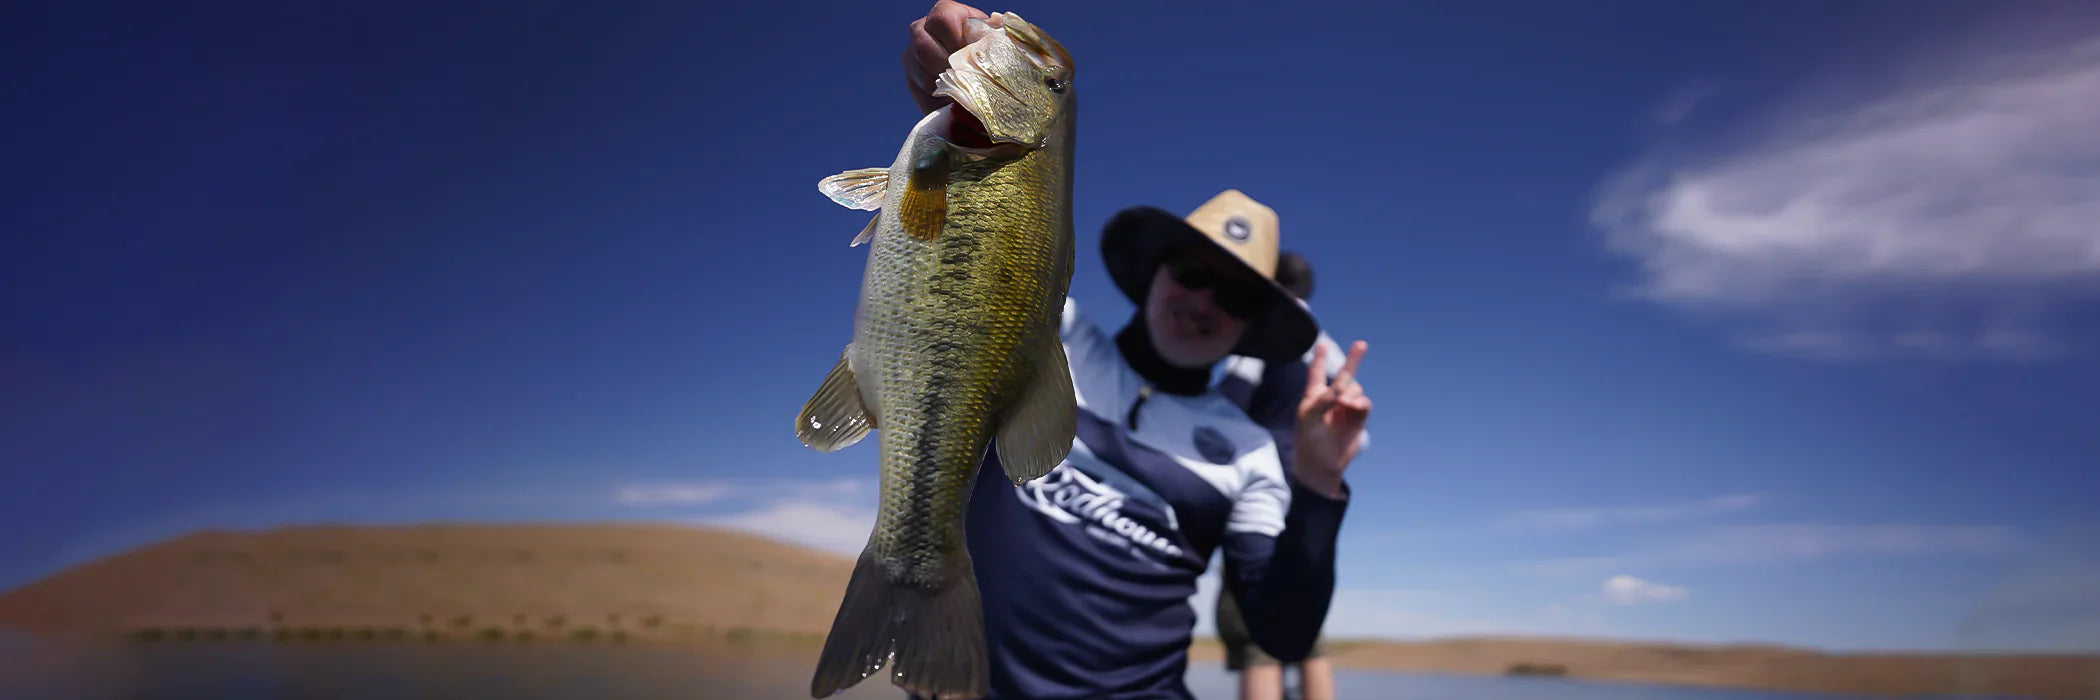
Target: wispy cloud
pixel 831 514
pixel 829 526
pixel 1792 543
pixel 1577 519
pixel 1625 589
pixel 1679 104
pixel 679 493
pixel 1573 567
pixel 706 491
pixel 1947 218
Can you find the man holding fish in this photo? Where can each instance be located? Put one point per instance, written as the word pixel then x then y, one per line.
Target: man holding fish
pixel 1051 491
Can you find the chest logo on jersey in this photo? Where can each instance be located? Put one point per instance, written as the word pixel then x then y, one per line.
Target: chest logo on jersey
pixel 1213 445
pixel 1069 496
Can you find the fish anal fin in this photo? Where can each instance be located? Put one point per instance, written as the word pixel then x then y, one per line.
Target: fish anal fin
pixel 860 188
pixel 835 417
pixel 1036 432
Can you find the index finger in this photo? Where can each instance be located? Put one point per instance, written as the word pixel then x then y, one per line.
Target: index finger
pixel 1356 357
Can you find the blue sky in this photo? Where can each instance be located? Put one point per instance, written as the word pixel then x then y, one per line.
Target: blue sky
pixel 1712 321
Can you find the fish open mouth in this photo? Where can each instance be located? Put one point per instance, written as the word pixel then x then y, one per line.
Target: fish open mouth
pixel 966 130
pixel 991 81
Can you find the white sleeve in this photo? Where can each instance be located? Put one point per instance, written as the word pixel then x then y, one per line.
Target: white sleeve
pixel 1263 500
pixel 1071 320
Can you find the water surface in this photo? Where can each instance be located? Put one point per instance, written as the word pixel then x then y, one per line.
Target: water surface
pixel 455 671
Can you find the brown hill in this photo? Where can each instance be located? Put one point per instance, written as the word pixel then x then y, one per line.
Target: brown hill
pixel 443 580
pixel 672 583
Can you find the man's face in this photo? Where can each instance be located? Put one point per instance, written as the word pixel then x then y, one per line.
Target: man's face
pixel 1199 304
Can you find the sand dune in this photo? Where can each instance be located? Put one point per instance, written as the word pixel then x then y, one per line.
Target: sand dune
pixel 674 583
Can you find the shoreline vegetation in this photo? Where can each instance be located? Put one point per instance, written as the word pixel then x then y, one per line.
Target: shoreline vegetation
pixel 642 584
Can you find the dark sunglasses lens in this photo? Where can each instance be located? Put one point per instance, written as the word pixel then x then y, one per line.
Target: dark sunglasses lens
pixel 1192 275
pixel 1233 296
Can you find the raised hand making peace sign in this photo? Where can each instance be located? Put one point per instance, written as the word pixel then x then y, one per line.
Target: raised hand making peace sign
pixel 1331 419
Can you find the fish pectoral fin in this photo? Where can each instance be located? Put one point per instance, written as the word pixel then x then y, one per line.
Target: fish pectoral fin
pixel 835 417
pixel 860 188
pixel 1037 432
pixel 923 210
pixel 867 233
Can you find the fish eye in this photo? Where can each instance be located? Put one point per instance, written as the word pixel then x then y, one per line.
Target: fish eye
pixel 1055 85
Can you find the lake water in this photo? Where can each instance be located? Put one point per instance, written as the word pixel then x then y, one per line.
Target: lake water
pixel 465 671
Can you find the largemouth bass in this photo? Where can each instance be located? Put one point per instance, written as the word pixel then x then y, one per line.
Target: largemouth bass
pixel 955 348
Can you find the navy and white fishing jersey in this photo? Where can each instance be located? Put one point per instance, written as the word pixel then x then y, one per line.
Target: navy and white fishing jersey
pixel 1086 572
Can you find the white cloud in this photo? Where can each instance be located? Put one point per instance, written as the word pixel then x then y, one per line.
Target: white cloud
pixel 682 493
pixel 1944 218
pixel 830 514
pixel 838 528
pixel 1624 589
pixel 706 491
pixel 1572 519
pixel 1572 567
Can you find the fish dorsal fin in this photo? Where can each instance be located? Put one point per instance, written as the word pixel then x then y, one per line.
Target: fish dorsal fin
pixel 835 417
pixel 857 189
pixel 1036 433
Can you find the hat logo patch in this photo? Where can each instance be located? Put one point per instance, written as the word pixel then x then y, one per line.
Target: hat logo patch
pixel 1237 228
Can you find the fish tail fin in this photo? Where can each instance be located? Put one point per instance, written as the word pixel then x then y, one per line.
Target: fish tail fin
pixel 932 637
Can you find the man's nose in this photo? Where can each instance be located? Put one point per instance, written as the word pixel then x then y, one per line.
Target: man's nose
pixel 1205 301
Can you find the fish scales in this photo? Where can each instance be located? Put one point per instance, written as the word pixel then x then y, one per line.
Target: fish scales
pixel 945 322
pixel 955 352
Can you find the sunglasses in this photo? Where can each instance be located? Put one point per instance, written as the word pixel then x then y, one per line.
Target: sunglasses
pixel 1232 291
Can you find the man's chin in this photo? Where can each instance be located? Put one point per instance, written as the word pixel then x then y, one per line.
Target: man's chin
pixel 1190 360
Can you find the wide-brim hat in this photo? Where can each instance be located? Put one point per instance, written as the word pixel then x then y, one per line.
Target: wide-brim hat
pixel 1247 231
